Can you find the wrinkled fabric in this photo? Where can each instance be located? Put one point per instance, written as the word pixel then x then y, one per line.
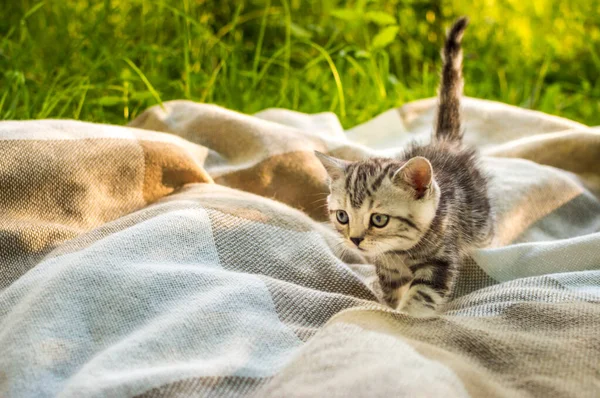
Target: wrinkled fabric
pixel 188 254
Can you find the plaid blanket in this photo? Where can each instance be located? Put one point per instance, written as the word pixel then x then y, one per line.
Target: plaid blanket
pixel 186 255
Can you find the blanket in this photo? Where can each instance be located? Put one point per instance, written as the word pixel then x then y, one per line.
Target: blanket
pixel 187 255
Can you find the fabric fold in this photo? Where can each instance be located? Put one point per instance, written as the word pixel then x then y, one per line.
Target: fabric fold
pixel 189 254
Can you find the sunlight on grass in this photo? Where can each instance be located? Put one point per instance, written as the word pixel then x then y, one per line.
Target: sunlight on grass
pixel 107 61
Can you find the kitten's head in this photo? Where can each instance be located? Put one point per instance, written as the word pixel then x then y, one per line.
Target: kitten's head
pixel 381 205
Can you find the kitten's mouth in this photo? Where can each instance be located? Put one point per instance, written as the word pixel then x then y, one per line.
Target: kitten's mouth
pixel 353 246
pixel 361 249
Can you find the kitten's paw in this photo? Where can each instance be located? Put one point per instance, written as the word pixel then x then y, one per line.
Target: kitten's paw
pixel 419 311
pixel 391 301
pixel 392 297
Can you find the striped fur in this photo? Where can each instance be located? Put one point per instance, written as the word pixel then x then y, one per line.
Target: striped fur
pixel 448 123
pixel 433 199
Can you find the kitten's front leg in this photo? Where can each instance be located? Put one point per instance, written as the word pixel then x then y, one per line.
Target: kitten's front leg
pixel 429 289
pixel 394 283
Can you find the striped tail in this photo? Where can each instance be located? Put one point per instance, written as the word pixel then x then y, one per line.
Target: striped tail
pixel 448 124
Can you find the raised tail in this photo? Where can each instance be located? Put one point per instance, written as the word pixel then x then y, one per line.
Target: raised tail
pixel 448 124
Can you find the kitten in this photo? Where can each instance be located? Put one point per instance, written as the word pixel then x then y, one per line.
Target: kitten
pixel 418 215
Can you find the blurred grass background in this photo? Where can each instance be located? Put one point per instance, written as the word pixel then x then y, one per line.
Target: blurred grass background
pixel 108 60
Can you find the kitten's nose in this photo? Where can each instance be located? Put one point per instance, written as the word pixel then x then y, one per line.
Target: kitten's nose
pixel 356 240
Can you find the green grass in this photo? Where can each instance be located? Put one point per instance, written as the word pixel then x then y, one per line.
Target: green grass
pixel 106 61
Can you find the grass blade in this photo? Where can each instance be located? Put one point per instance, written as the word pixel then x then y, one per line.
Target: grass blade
pixel 336 76
pixel 145 80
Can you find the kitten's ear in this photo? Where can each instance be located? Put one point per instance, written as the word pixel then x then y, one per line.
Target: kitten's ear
pixel 335 167
pixel 416 173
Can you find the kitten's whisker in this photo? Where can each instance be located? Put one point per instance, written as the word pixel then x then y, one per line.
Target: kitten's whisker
pixel 319 201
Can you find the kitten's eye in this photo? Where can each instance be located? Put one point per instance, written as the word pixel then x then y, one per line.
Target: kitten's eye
pixel 342 216
pixel 379 220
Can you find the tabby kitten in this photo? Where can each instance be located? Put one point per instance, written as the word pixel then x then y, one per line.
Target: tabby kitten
pixel 418 215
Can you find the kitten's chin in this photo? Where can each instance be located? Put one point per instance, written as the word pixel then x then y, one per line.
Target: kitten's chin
pixel 378 250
